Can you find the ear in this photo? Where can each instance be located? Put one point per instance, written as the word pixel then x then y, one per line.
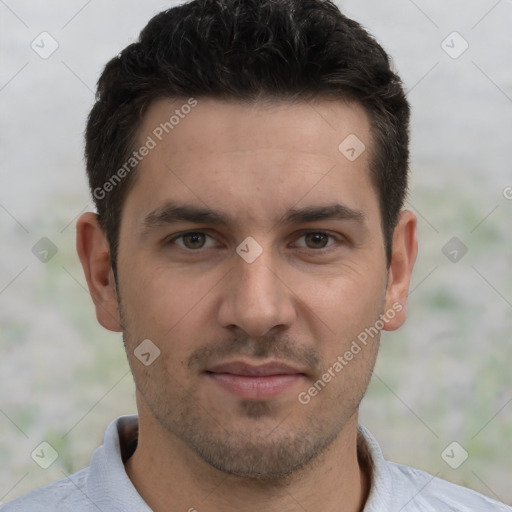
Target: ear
pixel 403 257
pixel 94 253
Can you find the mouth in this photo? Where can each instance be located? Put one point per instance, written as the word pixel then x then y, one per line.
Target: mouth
pixel 255 382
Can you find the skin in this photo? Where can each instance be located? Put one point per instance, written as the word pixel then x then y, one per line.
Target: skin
pixel 202 305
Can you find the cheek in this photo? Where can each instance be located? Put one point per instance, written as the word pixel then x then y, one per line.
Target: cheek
pixel 169 317
pixel 348 301
pixel 160 297
pixel 348 308
pixel 168 307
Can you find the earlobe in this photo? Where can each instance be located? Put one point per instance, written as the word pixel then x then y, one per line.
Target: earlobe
pixel 93 251
pixel 403 257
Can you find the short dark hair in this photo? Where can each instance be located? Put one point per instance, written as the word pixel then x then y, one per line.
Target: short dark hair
pixel 247 50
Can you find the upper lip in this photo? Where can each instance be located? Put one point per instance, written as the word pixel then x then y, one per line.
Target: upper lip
pixel 256 370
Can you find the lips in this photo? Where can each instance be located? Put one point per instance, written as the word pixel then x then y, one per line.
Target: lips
pixel 255 382
pixel 248 370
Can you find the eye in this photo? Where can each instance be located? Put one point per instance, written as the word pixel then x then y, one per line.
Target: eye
pixel 316 240
pixel 192 240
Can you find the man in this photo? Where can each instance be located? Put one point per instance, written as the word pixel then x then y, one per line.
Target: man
pixel 249 164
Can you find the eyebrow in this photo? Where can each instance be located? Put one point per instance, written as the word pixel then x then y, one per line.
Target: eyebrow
pixel 334 211
pixel 172 212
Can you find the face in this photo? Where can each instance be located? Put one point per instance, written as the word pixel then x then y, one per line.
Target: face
pixel 251 255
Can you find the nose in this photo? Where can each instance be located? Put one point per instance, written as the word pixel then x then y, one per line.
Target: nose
pixel 256 298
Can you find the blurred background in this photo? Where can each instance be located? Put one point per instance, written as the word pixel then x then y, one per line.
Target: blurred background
pixel 444 378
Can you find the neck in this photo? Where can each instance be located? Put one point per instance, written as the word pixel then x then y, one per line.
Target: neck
pixel 167 474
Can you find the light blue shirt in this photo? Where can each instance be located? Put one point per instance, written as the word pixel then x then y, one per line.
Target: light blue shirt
pixel 105 487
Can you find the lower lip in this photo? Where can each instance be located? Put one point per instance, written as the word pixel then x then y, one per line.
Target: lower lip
pixel 255 388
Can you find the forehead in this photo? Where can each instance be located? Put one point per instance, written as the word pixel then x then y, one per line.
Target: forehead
pixel 253 158
pixel 213 125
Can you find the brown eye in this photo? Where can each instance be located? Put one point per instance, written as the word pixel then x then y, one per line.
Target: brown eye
pixel 317 240
pixel 194 240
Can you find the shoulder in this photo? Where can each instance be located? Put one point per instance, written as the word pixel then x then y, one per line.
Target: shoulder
pixel 104 485
pixel 63 495
pixel 426 492
pixel 398 487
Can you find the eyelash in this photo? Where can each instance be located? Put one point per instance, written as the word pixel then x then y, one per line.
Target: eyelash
pixel 338 239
